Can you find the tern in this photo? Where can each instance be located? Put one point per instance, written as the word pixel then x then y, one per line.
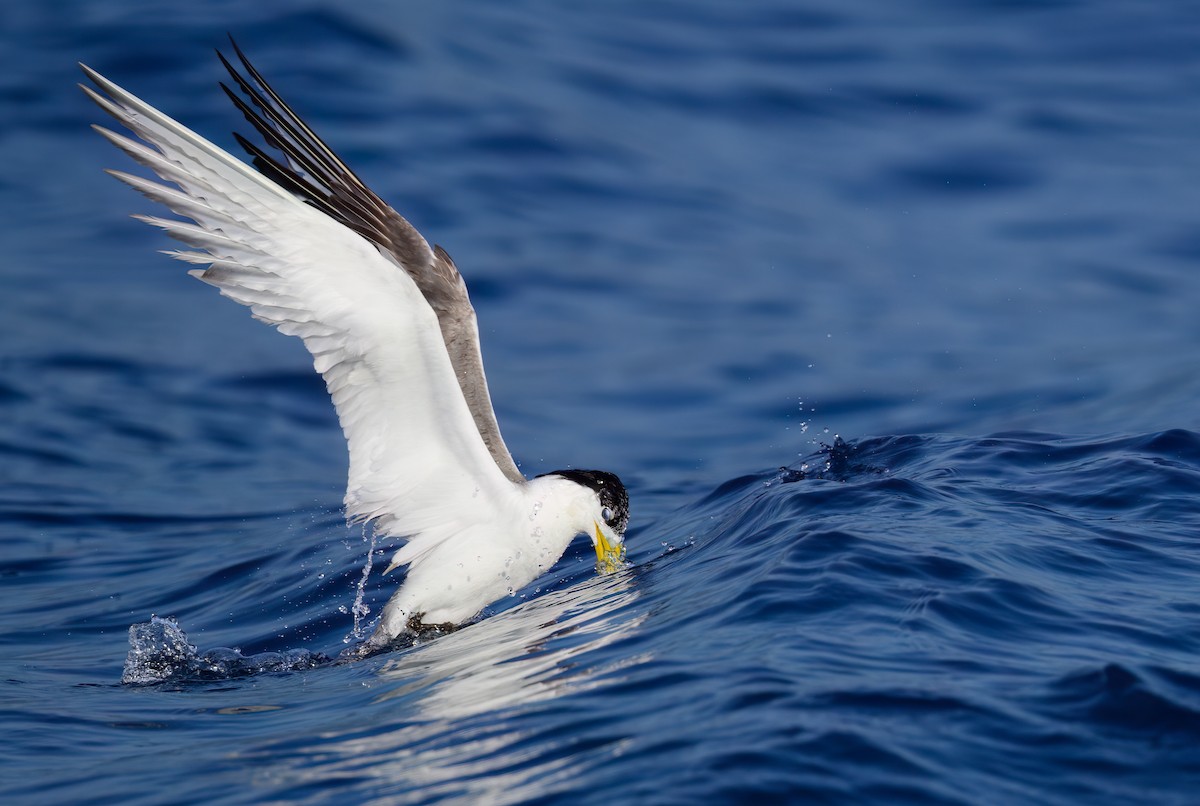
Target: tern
pixel 309 248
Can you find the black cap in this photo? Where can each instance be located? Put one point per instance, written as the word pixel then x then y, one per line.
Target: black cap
pixel 610 489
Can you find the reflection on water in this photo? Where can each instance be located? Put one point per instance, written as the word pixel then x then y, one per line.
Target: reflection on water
pixel 450 722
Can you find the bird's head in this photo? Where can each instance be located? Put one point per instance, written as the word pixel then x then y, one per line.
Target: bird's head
pixel 610 517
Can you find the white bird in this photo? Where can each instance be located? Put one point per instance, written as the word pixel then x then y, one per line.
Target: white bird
pixel 311 250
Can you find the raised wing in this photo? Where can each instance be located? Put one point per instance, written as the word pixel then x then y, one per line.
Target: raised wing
pixel 313 171
pixel 413 443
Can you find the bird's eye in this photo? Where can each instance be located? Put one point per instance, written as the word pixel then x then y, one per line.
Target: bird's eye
pixel 606 514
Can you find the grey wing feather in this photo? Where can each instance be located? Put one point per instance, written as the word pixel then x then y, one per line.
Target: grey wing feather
pixel 311 170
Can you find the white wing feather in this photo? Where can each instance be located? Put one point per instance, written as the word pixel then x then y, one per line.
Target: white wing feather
pixel 417 460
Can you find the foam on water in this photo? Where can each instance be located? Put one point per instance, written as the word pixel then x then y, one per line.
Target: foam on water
pixel 159 652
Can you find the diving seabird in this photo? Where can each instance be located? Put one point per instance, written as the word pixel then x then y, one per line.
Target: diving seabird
pixel 311 250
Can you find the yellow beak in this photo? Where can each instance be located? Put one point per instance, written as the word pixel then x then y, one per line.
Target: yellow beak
pixel 610 556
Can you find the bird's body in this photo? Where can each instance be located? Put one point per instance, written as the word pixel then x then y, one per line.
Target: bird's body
pixel 492 558
pixel 311 250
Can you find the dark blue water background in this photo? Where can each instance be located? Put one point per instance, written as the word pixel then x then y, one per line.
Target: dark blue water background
pixel 703 239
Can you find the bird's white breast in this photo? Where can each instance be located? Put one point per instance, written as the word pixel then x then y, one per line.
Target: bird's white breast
pixel 485 561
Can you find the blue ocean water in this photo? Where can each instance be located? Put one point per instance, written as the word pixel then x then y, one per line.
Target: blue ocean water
pixel 886 315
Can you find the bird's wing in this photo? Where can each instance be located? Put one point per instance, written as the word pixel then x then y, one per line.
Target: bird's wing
pixel 313 171
pixel 416 457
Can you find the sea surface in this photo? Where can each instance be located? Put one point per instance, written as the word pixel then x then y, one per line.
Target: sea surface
pixel 887 313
